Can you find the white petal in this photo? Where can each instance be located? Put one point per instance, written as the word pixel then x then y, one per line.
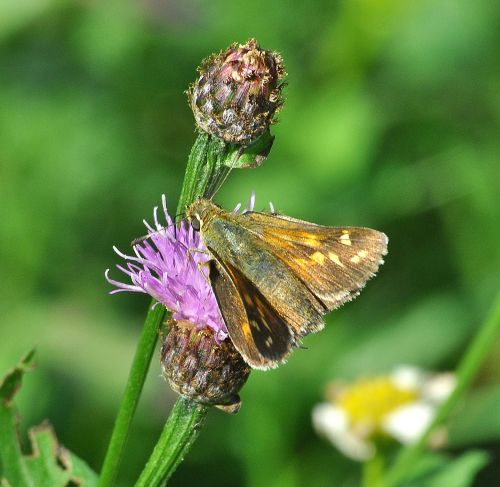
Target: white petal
pixel 407 423
pixel 332 422
pixel 408 377
pixel 439 387
pixel 329 419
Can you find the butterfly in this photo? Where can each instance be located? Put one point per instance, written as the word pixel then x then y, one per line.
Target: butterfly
pixel 274 277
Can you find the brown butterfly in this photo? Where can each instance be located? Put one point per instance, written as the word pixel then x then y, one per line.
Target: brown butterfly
pixel 274 277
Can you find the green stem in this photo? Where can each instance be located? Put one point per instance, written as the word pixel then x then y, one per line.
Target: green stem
pixel 137 376
pixel 180 431
pixel 373 470
pixel 207 167
pixel 466 372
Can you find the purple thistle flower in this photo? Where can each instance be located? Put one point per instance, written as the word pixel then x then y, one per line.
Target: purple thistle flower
pixel 166 265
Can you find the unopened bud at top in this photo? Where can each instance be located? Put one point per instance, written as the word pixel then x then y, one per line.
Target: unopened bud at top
pixel 238 92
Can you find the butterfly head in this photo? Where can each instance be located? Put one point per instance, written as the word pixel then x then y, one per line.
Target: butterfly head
pixel 200 213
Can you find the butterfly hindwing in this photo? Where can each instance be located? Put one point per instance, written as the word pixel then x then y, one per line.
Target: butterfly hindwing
pixel 257 331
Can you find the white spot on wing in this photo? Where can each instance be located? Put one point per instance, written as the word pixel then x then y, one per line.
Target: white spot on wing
pixel 344 238
pixel 335 258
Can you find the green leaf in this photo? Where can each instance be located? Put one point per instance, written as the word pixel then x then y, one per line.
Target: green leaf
pixel 13 467
pixel 12 381
pixel 425 468
pixel 437 471
pixel 474 423
pixel 48 464
pixel 253 155
pixel 461 471
pixel 51 465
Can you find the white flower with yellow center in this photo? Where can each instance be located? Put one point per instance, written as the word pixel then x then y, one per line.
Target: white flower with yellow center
pixel 400 405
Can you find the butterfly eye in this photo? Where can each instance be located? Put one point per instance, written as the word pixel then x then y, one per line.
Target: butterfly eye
pixel 196 224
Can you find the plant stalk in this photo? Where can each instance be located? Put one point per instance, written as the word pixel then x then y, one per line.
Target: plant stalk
pixel 137 376
pixel 180 432
pixel 466 371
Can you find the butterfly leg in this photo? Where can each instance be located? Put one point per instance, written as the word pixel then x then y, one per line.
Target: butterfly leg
pixel 192 250
pixel 201 266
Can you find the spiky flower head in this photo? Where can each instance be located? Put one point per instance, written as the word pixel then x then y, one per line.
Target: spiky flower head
pixel 238 92
pixel 198 367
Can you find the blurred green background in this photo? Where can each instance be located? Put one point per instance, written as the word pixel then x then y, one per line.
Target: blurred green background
pixel 391 121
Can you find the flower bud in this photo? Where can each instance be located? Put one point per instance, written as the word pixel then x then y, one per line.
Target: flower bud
pixel 200 368
pixel 238 92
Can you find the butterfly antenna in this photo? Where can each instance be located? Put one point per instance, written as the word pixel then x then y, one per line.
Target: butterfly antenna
pixel 141 239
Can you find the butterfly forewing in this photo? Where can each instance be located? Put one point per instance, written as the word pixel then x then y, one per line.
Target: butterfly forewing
pixel 255 328
pixel 334 263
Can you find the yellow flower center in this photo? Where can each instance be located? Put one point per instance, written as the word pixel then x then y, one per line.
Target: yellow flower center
pixel 368 401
